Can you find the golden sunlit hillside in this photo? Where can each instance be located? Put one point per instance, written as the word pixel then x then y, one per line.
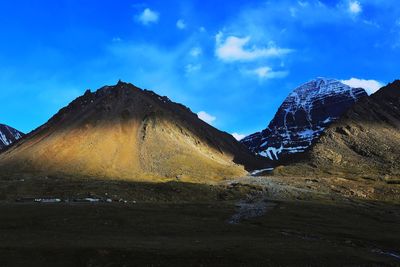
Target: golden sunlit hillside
pixel 123 132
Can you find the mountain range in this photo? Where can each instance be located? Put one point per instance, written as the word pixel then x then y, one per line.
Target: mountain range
pixel 323 127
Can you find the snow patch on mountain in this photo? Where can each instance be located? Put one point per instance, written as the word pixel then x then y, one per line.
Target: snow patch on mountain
pixel 8 135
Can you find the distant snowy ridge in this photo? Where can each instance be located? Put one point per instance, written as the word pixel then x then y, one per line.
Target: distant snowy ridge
pixel 8 135
pixel 303 117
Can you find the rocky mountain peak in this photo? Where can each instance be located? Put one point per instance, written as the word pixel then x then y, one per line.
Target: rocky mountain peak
pixel 364 142
pixel 302 117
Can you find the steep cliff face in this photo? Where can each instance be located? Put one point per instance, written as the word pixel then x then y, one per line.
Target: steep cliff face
pixel 303 117
pixel 365 142
pixel 8 135
pixel 123 132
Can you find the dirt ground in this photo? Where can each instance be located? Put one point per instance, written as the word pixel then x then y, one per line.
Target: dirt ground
pixel 302 228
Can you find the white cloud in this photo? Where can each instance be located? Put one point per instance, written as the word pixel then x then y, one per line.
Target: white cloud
pixel 267 73
pixel 355 7
pixel 371 86
pixel 196 51
pixel 206 117
pixel 238 136
pixel 189 68
pixel 234 49
pixel 180 24
pixel 148 16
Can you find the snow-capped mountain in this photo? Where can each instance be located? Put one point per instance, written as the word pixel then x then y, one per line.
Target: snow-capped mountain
pixel 8 135
pixel 364 142
pixel 302 117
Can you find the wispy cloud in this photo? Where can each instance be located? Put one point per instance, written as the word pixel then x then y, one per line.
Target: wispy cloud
pixel 238 136
pixel 189 68
pixel 267 73
pixel 206 117
pixel 303 3
pixel 238 49
pixel 180 24
pixel 371 86
pixel 355 7
pixel 148 16
pixel 116 39
pixel 196 51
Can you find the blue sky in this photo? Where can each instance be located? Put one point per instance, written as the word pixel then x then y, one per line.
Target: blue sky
pixel 234 62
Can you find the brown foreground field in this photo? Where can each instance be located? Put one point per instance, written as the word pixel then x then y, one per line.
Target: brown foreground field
pixel 177 224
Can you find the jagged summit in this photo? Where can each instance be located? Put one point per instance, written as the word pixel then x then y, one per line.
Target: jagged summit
pixel 318 88
pixel 108 98
pixel 8 135
pixel 125 132
pixel 302 117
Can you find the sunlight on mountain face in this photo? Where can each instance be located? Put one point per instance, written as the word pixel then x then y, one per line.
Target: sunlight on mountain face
pixel 123 132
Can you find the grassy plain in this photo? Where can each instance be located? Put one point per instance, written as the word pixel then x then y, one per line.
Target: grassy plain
pixel 179 224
